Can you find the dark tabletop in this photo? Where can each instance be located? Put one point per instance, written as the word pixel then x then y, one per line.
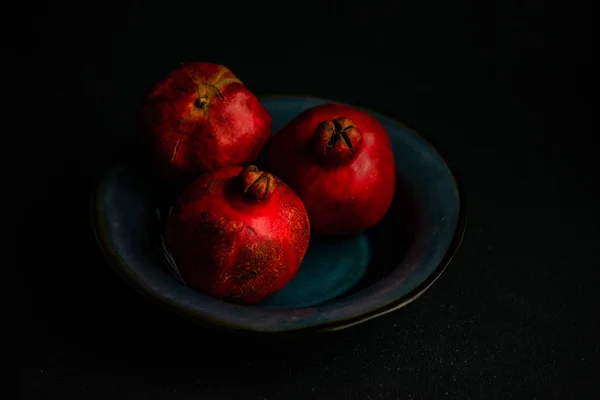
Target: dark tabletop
pixel 514 316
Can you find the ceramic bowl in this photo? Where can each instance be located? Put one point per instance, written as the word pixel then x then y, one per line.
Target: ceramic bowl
pixel 341 282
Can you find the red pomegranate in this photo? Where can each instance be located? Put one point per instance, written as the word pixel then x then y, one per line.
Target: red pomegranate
pixel 340 162
pixel 200 117
pixel 238 234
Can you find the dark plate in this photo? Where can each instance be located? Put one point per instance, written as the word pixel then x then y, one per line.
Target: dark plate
pixel 342 281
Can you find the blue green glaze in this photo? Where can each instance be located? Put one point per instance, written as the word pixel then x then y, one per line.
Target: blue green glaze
pixel 342 281
pixel 330 268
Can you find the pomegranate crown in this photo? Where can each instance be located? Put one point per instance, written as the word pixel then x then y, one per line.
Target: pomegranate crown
pixel 258 185
pixel 336 141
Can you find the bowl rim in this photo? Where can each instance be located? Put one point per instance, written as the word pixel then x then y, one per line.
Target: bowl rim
pixel 123 272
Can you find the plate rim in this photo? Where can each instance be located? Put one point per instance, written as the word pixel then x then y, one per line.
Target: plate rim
pixel 124 273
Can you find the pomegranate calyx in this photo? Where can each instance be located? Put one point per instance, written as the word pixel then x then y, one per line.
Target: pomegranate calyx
pixel 258 185
pixel 336 141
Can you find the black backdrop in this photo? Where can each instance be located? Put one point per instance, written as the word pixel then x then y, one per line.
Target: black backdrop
pixel 513 316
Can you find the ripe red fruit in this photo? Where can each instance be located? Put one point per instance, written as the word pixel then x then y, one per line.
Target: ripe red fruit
pixel 340 162
pixel 238 234
pixel 200 117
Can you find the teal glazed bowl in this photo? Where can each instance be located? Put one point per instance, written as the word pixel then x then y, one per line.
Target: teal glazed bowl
pixel 342 281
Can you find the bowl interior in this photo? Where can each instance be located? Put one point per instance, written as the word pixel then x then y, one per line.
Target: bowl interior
pixel 333 266
pixel 340 279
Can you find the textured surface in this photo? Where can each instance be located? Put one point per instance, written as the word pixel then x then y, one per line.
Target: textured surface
pixel 515 317
pixel 124 205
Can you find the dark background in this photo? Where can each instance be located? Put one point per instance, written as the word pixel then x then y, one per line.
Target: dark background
pixel 514 316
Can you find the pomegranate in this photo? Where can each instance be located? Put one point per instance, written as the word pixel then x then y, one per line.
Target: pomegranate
pixel 340 162
pixel 238 234
pixel 201 117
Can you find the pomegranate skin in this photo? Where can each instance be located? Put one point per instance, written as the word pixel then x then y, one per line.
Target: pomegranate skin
pixel 339 160
pixel 201 117
pixel 238 234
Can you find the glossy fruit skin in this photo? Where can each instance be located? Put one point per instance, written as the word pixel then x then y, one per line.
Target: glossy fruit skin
pixel 237 235
pixel 201 117
pixel 347 185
